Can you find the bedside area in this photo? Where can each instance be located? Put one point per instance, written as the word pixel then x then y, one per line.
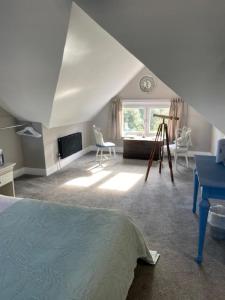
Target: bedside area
pixel 7 180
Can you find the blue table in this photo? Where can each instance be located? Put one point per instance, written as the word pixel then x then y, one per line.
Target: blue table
pixel 211 177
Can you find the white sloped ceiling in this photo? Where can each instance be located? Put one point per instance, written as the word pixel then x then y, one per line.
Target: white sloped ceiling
pixel 181 41
pixel 95 67
pixel 32 39
pixel 57 66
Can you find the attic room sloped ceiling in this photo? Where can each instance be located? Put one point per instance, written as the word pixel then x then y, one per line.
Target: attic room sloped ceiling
pixel 181 41
pixel 32 38
pixel 95 67
pixel 57 66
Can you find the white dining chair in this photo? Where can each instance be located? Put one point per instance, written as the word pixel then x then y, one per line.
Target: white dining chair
pixel 181 145
pixel 102 146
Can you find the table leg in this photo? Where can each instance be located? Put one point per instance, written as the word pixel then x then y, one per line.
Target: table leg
pixel 203 215
pixel 195 195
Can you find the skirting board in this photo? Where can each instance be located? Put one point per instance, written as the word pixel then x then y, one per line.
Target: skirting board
pixel 193 153
pixel 190 153
pixel 56 167
pixel 118 149
pixel 29 171
pixel 66 161
pixel 18 172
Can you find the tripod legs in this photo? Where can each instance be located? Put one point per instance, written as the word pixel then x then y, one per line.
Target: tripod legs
pixel 161 150
pixel 153 150
pixel 162 133
pixel 169 154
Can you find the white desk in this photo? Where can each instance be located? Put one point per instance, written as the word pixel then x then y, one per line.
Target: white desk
pixel 7 180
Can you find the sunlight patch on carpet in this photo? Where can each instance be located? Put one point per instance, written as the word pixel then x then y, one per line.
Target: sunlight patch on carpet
pixel 123 181
pixel 87 181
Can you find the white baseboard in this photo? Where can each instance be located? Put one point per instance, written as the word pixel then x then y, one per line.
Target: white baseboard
pixel 46 172
pixel 35 171
pixel 193 153
pixel 29 171
pixel 18 172
pixel 119 149
pixel 66 161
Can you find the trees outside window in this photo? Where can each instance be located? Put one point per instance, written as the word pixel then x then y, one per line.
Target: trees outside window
pixel 139 120
pixel 133 120
pixel 154 121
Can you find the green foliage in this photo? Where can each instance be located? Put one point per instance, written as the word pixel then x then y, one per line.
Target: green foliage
pixel 154 121
pixel 133 119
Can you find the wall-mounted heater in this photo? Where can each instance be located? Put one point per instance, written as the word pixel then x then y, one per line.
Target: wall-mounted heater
pixel 70 144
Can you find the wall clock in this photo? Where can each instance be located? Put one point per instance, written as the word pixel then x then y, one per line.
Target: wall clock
pixel 147 84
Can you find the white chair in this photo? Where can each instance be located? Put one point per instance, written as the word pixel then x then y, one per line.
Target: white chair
pixel 181 144
pixel 101 145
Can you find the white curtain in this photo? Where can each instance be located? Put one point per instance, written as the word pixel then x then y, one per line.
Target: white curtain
pixel 178 108
pixel 116 118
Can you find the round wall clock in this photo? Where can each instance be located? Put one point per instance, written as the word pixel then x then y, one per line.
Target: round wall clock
pixel 147 84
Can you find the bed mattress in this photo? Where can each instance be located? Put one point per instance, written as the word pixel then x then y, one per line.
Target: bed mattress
pixel 53 251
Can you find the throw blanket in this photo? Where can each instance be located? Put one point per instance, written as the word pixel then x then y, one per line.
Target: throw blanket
pixel 50 251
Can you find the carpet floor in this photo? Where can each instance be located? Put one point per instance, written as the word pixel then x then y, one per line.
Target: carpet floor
pixel 162 211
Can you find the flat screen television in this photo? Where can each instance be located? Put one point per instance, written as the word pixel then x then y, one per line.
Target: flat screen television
pixel 69 144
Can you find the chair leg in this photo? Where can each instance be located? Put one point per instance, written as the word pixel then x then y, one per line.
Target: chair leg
pixel 110 153
pixel 186 157
pixel 114 151
pixel 101 157
pixel 97 152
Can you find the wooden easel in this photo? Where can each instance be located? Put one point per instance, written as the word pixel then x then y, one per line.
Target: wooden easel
pixel 161 135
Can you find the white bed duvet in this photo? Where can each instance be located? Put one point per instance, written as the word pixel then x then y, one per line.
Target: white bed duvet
pixel 58 252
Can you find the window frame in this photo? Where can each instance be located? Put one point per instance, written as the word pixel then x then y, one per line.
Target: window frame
pixel 133 133
pixel 147 105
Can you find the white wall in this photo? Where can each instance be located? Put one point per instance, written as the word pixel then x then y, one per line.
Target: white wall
pixel 174 39
pixel 103 120
pixel 201 128
pixel 181 41
pixel 201 131
pixel 10 142
pixel 40 155
pixel 94 68
pixel 57 65
pixel 216 135
pixel 32 35
pixel 132 90
pixel 51 135
pixel 33 149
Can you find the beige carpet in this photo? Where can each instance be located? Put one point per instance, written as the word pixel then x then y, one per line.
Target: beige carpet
pixel 160 209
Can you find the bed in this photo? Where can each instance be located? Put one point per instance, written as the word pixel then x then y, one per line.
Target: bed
pixel 51 251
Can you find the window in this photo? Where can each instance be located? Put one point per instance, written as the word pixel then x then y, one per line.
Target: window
pixel 133 120
pixel 153 121
pixel 138 117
